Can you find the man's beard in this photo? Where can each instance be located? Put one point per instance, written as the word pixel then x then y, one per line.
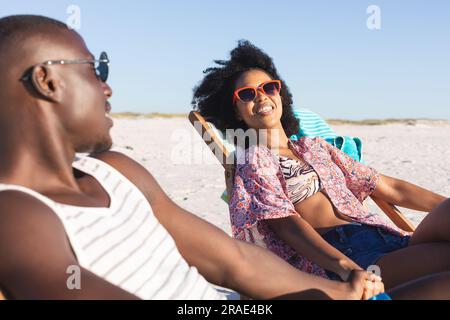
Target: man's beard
pixel 102 146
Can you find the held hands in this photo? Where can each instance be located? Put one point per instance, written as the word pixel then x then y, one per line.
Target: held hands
pixel 374 286
pixel 364 285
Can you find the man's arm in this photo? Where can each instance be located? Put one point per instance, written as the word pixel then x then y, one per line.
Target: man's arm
pixel 35 255
pixel 246 268
pixel 405 194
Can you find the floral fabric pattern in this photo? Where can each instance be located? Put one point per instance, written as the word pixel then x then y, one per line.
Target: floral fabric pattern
pixel 259 194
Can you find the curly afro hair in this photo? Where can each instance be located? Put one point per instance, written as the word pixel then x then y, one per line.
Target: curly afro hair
pixel 213 97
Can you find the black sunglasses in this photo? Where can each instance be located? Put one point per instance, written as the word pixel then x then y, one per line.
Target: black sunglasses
pixel 101 66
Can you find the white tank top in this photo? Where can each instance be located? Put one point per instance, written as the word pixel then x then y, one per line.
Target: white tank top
pixel 125 244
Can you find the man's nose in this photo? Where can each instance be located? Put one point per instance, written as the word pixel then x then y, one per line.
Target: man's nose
pixel 107 90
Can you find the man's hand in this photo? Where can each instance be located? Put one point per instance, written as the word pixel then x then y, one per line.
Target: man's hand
pixel 364 285
pixel 346 268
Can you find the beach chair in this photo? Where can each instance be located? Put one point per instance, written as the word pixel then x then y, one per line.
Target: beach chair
pixel 224 150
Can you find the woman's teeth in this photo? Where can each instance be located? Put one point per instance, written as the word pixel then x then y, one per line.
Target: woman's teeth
pixel 264 110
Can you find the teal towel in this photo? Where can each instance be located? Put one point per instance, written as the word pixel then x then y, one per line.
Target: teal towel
pixel 224 196
pixel 312 125
pixel 350 145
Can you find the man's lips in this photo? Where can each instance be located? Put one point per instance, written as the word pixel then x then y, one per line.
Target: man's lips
pixel 107 113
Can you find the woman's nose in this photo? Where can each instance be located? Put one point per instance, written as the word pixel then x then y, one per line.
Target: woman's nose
pixel 260 95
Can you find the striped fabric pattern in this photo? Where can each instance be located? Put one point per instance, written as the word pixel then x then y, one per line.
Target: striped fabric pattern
pixel 124 243
pixel 312 125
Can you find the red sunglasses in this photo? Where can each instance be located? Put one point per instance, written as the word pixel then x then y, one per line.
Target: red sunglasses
pixel 248 94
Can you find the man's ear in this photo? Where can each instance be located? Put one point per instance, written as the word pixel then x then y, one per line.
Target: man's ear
pixel 46 83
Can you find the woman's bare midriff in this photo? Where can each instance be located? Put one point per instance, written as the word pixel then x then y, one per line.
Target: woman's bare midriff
pixel 320 213
pixel 318 210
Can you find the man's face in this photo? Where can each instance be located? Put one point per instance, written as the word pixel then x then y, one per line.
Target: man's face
pixel 82 105
pixel 85 103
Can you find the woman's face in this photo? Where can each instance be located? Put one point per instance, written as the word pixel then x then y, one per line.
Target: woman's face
pixel 265 111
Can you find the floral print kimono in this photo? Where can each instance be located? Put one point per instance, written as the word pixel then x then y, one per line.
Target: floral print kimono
pixel 259 194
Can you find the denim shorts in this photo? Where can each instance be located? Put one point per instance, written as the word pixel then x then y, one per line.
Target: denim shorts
pixel 363 244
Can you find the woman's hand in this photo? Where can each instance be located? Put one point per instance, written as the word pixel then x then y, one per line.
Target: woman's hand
pixel 364 285
pixel 373 286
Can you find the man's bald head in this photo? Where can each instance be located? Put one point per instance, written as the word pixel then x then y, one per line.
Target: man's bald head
pixel 26 23
pixel 15 30
pixel 26 39
pixel 68 98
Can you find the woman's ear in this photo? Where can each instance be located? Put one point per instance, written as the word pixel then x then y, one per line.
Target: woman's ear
pixel 46 83
pixel 238 115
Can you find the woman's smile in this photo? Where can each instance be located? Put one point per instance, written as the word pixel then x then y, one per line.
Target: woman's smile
pixel 264 109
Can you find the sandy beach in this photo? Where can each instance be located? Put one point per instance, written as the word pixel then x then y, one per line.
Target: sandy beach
pixel 174 153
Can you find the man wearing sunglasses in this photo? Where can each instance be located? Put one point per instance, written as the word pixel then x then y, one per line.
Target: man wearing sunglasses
pixel 104 215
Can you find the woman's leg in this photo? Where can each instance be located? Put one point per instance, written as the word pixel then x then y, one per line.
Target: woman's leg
pixel 432 287
pixel 413 262
pixel 435 227
pixel 428 251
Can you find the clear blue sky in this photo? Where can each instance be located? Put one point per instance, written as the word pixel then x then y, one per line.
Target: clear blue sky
pixel 332 62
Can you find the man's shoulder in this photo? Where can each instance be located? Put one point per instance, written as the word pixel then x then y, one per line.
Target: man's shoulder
pixel 21 203
pixel 27 227
pixel 129 168
pixel 33 245
pixel 116 159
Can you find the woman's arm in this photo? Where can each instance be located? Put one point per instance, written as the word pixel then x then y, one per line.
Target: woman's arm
pixel 302 237
pixel 405 194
